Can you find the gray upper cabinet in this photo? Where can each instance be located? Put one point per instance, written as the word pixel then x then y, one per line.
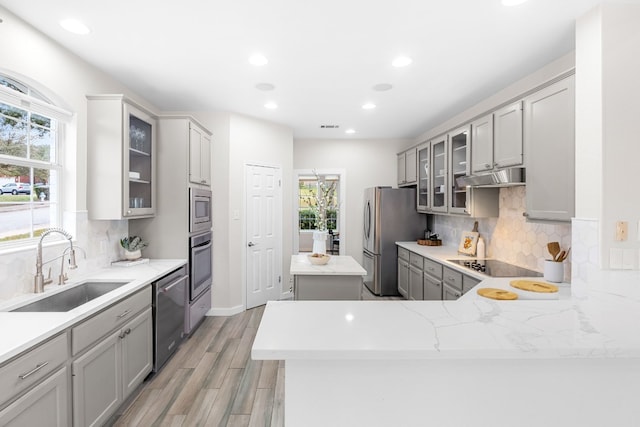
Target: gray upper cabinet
pixel 199 155
pixel 549 151
pixel 423 202
pixel 482 144
pixel 439 171
pixel 407 168
pixel 459 156
pixel 507 136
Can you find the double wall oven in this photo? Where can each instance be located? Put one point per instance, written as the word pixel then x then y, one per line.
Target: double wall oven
pixel 200 258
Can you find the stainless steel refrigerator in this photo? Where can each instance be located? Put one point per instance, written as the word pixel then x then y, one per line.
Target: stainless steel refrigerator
pixel 389 216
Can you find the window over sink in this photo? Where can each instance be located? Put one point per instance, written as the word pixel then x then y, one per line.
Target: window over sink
pixel 30 162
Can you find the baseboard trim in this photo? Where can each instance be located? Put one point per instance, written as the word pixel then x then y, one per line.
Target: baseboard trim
pixel 225 311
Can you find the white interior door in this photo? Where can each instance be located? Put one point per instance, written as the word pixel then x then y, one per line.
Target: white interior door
pixel 264 235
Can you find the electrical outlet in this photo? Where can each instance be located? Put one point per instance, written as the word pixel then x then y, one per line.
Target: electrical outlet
pixel 236 214
pixel 622 230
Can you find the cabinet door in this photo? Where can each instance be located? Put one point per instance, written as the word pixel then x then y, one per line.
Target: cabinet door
pixel 97 386
pixel 482 144
pixel 416 292
pixel 139 170
pixel 422 195
pixel 205 156
pixel 137 351
pixel 450 294
pixel 507 137
pixel 439 181
pixel 459 166
pixel 403 278
pixel 199 156
pixel 549 151
pixel 45 405
pixel 410 168
pixel 401 169
pixel 432 288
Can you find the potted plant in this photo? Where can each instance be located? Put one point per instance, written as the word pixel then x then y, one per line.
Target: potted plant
pixel 133 246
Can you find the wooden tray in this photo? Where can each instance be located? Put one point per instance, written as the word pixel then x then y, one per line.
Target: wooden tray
pixel 495 293
pixel 534 286
pixel 424 242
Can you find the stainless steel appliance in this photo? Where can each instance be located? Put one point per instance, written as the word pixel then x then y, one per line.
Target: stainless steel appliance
pixel 389 216
pixel 168 307
pixel 495 268
pixel 199 210
pixel 201 272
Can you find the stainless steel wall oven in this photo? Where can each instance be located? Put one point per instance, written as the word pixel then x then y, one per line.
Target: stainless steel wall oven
pixel 201 273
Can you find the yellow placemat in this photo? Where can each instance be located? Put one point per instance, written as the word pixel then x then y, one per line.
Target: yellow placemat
pixel 495 293
pixel 534 286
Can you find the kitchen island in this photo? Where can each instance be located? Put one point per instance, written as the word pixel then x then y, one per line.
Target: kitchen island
pixel 339 279
pixel 492 363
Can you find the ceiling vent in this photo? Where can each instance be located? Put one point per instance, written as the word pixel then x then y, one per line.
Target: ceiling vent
pixel 329 126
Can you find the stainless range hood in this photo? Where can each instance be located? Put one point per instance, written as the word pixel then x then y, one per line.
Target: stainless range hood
pixel 501 178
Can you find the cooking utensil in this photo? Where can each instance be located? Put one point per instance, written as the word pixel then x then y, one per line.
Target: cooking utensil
pixel 554 249
pixel 560 257
pixel 566 255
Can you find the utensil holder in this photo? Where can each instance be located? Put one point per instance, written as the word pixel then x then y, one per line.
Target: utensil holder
pixel 553 271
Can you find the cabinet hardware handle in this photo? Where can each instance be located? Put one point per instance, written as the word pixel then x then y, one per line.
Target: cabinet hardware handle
pixel 487 165
pixel 33 371
pixel 525 214
pixel 122 335
pixel 127 331
pixel 120 316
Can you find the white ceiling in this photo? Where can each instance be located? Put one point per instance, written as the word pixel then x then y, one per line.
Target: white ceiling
pixel 324 56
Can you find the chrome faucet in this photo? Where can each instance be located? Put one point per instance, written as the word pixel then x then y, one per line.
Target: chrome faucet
pixel 39 281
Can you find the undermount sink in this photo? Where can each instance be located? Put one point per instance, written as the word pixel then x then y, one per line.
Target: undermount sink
pixel 71 298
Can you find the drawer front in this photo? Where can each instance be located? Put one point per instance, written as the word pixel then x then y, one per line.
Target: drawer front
pixel 111 318
pixel 433 268
pixel 30 368
pixel 198 311
pixel 452 278
pixel 468 282
pixel 415 260
pixel 403 253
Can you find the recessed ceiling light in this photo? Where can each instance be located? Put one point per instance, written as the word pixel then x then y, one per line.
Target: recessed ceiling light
pixel 265 86
pixel 369 106
pixel 512 2
pixel 401 61
pixel 258 60
pixel 350 131
pixel 271 105
pixel 382 87
pixel 74 26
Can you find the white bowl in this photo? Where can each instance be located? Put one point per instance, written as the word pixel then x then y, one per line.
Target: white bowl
pixel 318 259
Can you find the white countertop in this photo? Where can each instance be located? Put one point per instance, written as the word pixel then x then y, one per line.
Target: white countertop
pixel 338 265
pixel 21 331
pixel 604 322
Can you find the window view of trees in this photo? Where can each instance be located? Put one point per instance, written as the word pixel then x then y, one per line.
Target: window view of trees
pixel 28 169
pixel 307 214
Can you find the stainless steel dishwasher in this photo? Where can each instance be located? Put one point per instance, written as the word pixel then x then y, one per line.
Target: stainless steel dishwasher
pixel 169 301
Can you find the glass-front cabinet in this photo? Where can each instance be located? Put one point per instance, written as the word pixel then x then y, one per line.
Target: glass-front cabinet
pixel 423 202
pixel 439 166
pixel 459 166
pixel 121 138
pixel 139 136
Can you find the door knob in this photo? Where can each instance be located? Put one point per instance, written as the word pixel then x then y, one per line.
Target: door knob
pixel 250 244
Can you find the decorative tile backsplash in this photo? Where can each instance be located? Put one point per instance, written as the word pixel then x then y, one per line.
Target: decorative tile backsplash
pixel 98 240
pixel 510 237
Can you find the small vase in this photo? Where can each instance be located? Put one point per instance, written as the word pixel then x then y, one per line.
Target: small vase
pixel 320 242
pixel 132 255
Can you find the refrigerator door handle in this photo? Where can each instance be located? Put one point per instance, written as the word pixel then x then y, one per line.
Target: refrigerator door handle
pixel 367 220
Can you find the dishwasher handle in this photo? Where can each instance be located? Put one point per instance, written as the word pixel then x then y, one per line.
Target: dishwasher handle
pixel 174 284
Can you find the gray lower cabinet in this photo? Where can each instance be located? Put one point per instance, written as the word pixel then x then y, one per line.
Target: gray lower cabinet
pixel 403 272
pixel 416 292
pixel 47 404
pixel 449 293
pixel 107 373
pixel 432 288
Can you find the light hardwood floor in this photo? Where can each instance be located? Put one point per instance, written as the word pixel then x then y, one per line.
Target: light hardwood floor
pixel 212 381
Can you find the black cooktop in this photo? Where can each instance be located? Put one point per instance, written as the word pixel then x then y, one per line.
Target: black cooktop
pixel 495 268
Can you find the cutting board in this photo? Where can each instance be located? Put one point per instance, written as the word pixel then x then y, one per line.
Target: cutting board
pixel 534 289
pixel 495 293
pixel 469 241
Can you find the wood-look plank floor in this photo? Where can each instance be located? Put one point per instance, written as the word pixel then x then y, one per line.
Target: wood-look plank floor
pixel 212 381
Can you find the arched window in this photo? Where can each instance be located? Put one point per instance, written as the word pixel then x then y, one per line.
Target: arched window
pixel 30 162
